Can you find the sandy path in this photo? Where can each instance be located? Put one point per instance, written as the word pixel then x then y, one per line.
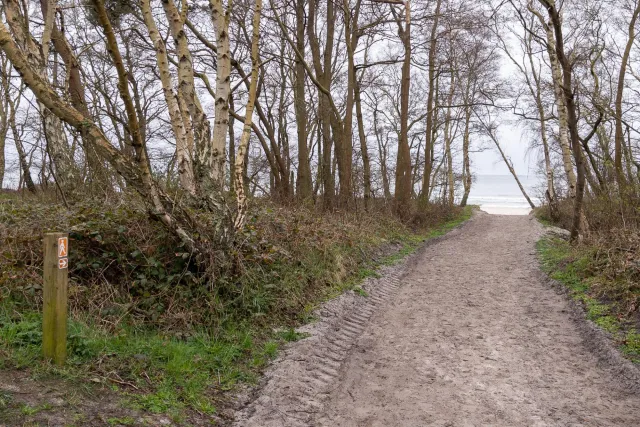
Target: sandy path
pixel 472 337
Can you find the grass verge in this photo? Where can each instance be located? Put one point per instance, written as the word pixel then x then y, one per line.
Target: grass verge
pixel 579 269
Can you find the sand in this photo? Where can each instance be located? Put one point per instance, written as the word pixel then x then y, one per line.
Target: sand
pixel 468 333
pixel 500 210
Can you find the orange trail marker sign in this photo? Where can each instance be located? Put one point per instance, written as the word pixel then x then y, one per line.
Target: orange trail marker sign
pixel 63 263
pixel 63 247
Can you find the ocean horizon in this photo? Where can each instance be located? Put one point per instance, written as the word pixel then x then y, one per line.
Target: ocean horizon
pixel 500 194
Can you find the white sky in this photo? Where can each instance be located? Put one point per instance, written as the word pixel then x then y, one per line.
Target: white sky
pixel 513 140
pixel 515 146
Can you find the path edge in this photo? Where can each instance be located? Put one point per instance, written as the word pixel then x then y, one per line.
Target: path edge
pixel 247 396
pixel 600 342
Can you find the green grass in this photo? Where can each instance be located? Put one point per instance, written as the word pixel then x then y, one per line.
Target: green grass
pixel 359 291
pixel 172 374
pixel 182 371
pixel 450 225
pixel 126 421
pixel 631 346
pixel 291 335
pixel 5 400
pixel 572 267
pixel 32 410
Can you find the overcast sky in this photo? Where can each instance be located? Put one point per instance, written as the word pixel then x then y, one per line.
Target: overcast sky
pixel 513 140
pixel 515 145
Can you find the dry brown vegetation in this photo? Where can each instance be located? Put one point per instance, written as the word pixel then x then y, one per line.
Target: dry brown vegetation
pixel 124 266
pixel 602 269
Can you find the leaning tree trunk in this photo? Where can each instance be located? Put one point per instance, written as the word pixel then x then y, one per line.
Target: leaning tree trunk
pixel 507 162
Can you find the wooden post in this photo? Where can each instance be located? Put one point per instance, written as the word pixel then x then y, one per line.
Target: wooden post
pixel 54 310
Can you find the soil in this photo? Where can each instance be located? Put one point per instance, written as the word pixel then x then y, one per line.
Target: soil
pixel 29 401
pixel 467 332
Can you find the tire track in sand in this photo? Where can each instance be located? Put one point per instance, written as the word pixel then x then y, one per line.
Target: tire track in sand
pixel 466 333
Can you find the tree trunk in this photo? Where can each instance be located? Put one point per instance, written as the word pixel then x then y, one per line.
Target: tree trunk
pixel 239 169
pixel 466 166
pixel 345 157
pixel 579 221
pixel 286 190
pixel 382 153
pixel 366 165
pixel 3 138
pixel 619 135
pixel 429 141
pixel 205 179
pixel 232 145
pixel 403 161
pixel 303 180
pixel 324 73
pixel 448 140
pixel 221 19
pixel 556 74
pixel 182 134
pixel 510 167
pixel 22 157
pixel 9 104
pixel 5 87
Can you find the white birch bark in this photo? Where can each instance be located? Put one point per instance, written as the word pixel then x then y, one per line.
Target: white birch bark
pixel 203 167
pixel 241 196
pixel 563 130
pixel 221 19
pixel 180 131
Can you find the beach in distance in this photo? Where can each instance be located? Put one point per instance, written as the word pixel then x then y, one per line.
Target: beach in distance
pixel 500 194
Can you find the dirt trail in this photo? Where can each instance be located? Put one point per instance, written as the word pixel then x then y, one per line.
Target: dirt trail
pixel 468 334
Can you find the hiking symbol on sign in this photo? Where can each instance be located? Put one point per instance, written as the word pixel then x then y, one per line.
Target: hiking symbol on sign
pixel 63 247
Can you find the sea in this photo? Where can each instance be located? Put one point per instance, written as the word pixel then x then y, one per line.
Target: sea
pixel 500 194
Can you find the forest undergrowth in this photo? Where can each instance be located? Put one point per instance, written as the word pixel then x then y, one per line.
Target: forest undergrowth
pixel 146 323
